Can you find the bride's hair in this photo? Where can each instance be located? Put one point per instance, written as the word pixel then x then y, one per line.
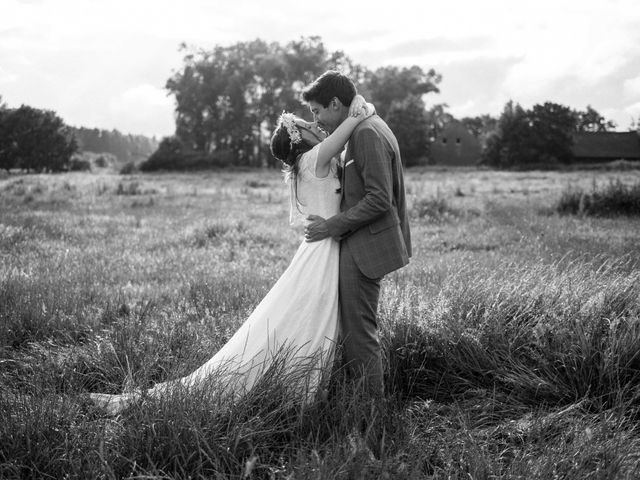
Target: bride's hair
pixel 288 153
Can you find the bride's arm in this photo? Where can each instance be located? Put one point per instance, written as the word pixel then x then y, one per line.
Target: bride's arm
pixel 334 143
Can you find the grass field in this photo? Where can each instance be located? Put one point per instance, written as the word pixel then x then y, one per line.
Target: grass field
pixel 511 342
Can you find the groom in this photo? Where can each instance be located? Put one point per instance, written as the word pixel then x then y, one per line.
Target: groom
pixel 372 225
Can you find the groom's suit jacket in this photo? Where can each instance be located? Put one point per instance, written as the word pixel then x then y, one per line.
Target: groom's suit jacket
pixel 373 218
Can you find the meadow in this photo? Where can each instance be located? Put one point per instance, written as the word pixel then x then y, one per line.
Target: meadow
pixel 511 342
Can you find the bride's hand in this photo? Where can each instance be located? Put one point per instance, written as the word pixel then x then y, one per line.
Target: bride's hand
pixel 358 106
pixel 369 110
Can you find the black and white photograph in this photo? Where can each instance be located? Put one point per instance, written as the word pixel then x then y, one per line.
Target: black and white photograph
pixel 319 240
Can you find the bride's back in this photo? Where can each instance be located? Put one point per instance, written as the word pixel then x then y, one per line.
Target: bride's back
pixel 317 195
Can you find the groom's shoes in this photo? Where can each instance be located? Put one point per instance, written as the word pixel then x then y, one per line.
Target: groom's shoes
pixel 373 427
pixel 374 438
pixel 360 449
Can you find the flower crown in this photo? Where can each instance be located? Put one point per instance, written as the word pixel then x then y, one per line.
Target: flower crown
pixel 288 121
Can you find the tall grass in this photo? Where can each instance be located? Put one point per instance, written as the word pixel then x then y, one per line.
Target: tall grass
pixel 498 374
pixel 538 334
pixel 616 198
pixel 497 364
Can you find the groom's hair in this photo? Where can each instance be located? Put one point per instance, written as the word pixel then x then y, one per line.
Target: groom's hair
pixel 329 85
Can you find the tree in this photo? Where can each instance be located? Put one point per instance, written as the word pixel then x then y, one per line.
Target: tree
pixel 437 118
pixel 480 126
pixel 227 97
pixel 591 121
pixel 398 95
pixel 7 158
pixel 166 157
pixel 505 148
pixel 285 71
pixel 35 139
pixel 389 84
pixel 408 119
pixel 542 135
pixel 551 128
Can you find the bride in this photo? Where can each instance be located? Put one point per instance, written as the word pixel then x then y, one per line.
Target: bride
pixel 299 315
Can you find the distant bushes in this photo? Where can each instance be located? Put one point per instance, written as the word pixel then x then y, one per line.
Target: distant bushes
pixel 134 188
pixel 128 168
pixel 88 161
pixel 79 164
pixel 172 154
pixel 616 198
pixel 102 161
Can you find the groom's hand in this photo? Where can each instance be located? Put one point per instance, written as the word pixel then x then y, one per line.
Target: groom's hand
pixel 316 229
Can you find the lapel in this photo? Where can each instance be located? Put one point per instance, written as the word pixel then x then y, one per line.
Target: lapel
pixel 344 156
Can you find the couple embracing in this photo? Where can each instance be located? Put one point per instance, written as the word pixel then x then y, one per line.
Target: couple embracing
pixel 356 231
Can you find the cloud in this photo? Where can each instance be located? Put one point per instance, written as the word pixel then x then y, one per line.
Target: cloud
pixel 7 77
pixel 632 87
pixel 427 52
pixel 102 64
pixel 145 94
pixel 441 44
pixel 633 110
pixel 467 109
pixel 474 86
pixel 143 109
pixel 582 49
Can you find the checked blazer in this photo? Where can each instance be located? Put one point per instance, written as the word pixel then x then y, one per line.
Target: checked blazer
pixel 373 217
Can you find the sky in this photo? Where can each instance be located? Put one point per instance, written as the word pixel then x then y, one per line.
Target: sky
pixel 104 63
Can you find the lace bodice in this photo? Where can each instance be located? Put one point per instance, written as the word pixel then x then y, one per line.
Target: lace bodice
pixel 316 195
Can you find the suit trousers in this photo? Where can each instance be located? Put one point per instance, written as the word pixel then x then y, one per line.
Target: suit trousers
pixel 359 297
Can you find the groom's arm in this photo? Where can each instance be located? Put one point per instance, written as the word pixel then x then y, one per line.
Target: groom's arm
pixel 374 162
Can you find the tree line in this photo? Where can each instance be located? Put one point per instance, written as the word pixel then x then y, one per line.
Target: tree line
pixel 125 147
pixel 542 135
pixel 228 98
pixel 38 140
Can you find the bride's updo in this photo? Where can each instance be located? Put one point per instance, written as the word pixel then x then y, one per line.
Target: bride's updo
pixel 287 143
pixel 287 146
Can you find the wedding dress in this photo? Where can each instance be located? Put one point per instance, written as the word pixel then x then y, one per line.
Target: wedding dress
pixel 297 319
